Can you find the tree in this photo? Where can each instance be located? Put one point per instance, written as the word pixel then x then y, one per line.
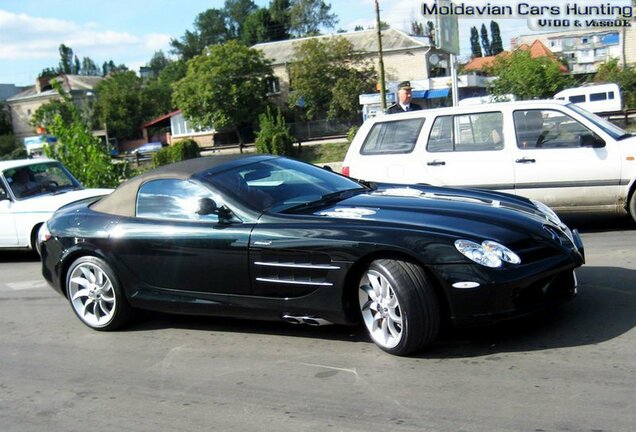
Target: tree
pixel 89 67
pixel 158 62
pixel 46 113
pixel 173 72
pixel 417 28
pixel 280 19
pixel 209 29
pixel 236 12
pixel 307 16
pixel 485 44
pixel 430 32
pixel 528 78
pixel 225 87
pixel 119 104
pixel 316 72
pixel 66 60
pixel 78 149
pixel 625 77
pixel 475 48
pixel 256 27
pixel 496 45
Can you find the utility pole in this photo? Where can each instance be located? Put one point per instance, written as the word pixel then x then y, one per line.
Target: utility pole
pixel 382 86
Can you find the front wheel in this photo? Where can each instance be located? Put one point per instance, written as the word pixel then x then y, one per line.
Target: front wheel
pixel 95 294
pixel 632 205
pixel 398 306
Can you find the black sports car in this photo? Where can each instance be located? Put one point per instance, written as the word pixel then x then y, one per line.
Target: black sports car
pixel 267 237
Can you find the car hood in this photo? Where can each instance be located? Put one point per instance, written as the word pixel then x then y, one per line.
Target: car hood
pixel 467 212
pixel 52 202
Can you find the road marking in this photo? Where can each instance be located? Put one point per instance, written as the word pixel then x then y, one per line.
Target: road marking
pixel 26 285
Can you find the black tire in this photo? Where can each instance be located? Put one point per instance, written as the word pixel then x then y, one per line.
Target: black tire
pixel 399 308
pixel 632 205
pixel 95 294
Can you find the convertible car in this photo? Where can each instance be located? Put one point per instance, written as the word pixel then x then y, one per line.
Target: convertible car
pixel 266 237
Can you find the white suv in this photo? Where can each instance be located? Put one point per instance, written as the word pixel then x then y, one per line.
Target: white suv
pixel 551 151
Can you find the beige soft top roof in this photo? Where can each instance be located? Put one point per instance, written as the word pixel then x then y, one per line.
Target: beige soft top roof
pixel 122 201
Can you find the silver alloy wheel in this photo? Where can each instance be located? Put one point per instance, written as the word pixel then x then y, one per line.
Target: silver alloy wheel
pixel 380 309
pixel 92 294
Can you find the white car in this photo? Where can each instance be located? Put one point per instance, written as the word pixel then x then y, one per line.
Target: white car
pixel 31 190
pixel 550 151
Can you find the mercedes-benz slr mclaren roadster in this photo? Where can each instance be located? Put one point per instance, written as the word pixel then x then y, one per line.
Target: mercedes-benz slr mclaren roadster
pixel 266 237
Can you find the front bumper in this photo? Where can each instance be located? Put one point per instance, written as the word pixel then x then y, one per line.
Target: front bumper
pixel 478 295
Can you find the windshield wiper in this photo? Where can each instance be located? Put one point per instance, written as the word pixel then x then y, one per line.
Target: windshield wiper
pixel 326 199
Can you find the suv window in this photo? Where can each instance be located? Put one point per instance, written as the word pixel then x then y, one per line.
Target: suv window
pixel 393 137
pixel 546 129
pixel 172 199
pixel 469 132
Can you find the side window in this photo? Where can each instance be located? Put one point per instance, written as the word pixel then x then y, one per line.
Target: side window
pixel 547 129
pixel 392 137
pixel 598 97
pixel 172 199
pixel 577 98
pixel 469 132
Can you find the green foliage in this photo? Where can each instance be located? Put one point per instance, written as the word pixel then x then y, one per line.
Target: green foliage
pixel 485 43
pixel 475 48
pixel 5 121
pixel 496 44
pixel 351 133
pixel 274 136
pixel 158 62
pixel 307 16
pixel 325 78
pixel 528 78
pixel 81 152
pixel 226 87
pixel 11 148
pixel 119 104
pixel 45 114
pixel 611 72
pixel 181 150
pixel 125 102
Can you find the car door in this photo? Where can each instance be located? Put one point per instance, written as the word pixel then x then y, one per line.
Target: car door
pixel 8 234
pixel 468 150
pixel 168 245
pixel 562 162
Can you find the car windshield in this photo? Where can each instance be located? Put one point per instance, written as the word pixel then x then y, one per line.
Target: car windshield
pixel 607 127
pixel 281 184
pixel 38 179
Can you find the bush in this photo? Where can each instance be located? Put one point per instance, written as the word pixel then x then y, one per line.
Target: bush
pixel 351 133
pixel 273 136
pixel 181 150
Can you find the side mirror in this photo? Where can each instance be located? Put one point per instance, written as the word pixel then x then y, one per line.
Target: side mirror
pixel 207 206
pixel 590 140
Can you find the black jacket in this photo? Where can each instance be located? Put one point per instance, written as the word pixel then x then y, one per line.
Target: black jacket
pixel 397 108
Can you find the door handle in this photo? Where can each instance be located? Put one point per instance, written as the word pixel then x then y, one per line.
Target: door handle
pixel 435 163
pixel 525 160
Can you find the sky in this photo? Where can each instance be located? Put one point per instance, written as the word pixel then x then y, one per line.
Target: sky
pixel 131 31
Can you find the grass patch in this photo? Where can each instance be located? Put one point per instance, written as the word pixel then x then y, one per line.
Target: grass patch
pixel 323 153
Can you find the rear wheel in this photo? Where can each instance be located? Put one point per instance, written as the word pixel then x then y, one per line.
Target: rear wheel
pixel 398 306
pixel 95 294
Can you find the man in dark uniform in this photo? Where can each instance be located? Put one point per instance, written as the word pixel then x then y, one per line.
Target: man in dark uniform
pixel 404 100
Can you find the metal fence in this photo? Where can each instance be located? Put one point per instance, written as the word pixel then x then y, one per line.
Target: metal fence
pixel 306 131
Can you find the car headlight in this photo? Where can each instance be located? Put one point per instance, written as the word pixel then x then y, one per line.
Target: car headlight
pixel 488 253
pixel 548 212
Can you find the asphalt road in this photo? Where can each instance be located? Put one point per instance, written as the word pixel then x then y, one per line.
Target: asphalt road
pixel 571 370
